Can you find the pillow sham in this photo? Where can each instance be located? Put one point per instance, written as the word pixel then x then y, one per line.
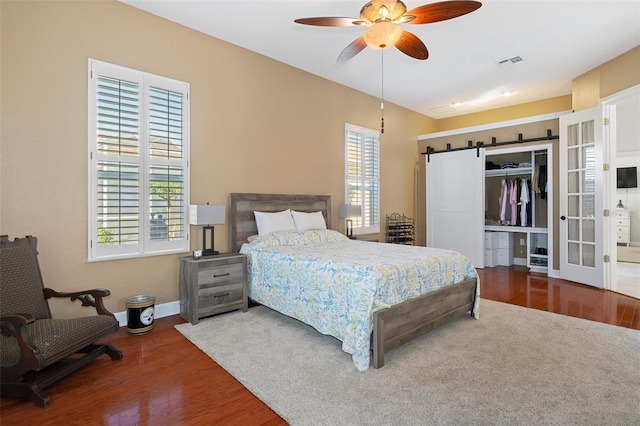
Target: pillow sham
pixel 294 238
pixel 274 222
pixel 308 221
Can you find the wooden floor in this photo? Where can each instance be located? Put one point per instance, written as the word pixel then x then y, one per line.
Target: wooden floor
pixel 165 380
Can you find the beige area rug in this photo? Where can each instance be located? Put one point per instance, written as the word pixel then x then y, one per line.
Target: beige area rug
pixel 628 254
pixel 512 366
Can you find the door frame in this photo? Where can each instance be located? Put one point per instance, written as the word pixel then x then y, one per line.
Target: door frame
pixel 609 151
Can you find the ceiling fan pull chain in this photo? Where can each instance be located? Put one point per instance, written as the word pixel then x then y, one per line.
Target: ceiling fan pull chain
pixel 382 94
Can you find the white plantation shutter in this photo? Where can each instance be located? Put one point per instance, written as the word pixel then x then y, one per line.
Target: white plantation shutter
pixel 362 169
pixel 138 144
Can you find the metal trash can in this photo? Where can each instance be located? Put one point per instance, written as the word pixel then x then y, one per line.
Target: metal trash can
pixel 140 314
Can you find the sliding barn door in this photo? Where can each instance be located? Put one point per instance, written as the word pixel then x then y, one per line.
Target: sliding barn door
pixel 455 202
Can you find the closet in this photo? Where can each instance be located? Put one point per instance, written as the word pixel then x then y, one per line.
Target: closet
pixel 518 206
pixel 464 171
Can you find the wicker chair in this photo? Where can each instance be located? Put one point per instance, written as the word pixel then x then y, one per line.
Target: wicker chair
pixel 35 349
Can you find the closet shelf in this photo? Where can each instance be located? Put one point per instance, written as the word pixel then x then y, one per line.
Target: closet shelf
pixel 508 172
pixel 515 228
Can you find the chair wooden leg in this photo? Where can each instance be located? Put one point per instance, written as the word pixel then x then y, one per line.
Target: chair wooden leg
pixel 26 390
pixel 113 353
pixel 48 376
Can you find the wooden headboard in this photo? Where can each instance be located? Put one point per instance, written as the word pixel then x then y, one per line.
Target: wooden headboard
pixel 242 206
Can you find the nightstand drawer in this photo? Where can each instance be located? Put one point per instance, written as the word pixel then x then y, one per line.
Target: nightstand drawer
pixel 220 298
pixel 622 213
pixel 623 237
pixel 218 275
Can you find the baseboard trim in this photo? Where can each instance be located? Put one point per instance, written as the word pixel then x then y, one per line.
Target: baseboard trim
pixel 160 311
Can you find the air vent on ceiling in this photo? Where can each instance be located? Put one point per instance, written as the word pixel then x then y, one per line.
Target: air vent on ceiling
pixel 509 61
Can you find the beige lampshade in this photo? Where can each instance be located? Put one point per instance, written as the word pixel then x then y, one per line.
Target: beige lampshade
pixel 206 214
pixel 349 210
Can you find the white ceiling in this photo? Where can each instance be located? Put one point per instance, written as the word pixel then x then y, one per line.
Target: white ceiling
pixel 557 40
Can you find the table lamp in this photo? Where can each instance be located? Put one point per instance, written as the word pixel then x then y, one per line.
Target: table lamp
pixel 347 211
pixel 207 215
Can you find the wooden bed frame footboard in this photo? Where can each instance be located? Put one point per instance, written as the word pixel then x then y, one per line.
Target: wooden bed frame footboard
pixel 399 324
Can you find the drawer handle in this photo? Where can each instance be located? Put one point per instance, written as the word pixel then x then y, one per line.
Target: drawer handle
pixel 221 275
pixel 222 295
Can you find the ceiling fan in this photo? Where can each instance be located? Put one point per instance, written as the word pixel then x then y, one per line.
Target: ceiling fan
pixel 383 18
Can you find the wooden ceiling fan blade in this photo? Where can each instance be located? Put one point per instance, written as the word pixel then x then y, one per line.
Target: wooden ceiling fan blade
pixel 328 21
pixel 412 46
pixel 355 47
pixel 436 12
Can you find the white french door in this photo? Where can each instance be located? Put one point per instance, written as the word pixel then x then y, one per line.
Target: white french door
pixel 455 202
pixel 581 197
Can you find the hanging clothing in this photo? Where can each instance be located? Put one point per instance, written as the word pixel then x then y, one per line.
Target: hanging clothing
pixel 507 209
pixel 519 195
pixel 525 199
pixel 514 202
pixel 503 201
pixel 529 205
pixel 542 182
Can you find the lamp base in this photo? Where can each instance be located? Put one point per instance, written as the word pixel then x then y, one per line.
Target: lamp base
pixel 207 249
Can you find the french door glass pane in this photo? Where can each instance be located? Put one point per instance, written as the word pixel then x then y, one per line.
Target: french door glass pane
pixel 589 255
pixel 573 253
pixel 573 205
pixel 572 159
pixel 573 182
pixel 588 206
pixel 588 133
pixel 588 230
pixel 572 135
pixel 574 230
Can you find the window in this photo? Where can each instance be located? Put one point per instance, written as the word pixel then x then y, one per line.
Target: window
pixel 138 163
pixel 362 182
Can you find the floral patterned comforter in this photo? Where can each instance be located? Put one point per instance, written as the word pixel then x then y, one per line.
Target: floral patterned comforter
pixel 334 284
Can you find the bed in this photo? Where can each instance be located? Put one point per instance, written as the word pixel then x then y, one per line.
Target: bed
pixel 370 318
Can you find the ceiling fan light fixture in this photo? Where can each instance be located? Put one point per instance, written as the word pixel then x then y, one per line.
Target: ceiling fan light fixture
pixel 387 4
pixel 383 10
pixel 382 34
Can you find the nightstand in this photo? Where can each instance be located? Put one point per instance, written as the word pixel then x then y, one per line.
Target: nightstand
pixel 212 285
pixel 623 226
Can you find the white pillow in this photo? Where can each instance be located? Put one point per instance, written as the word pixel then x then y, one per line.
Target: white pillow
pixel 308 221
pixel 274 222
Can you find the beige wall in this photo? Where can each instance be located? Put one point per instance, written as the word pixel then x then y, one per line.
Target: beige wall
pixel 257 125
pixel 607 79
pixel 529 109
